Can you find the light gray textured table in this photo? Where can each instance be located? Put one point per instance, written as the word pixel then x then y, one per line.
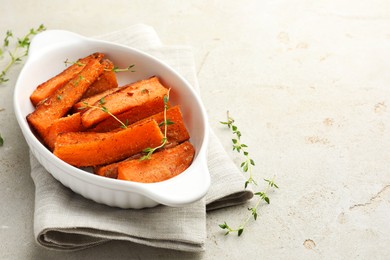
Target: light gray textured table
pixel 308 85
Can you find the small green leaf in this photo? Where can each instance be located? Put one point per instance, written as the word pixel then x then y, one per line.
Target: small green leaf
pixel 147 150
pixel 104 109
pixel 1 140
pixel 145 90
pixel 254 212
pixel 166 99
pixel 240 230
pixel 223 226
pixel 169 122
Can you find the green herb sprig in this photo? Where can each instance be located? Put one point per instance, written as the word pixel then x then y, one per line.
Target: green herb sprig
pixel 114 69
pixel 149 151
pixel 246 166
pixel 248 163
pixel 105 110
pixel 20 51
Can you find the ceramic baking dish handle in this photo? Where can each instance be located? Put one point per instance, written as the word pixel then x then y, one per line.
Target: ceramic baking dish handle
pixel 49 38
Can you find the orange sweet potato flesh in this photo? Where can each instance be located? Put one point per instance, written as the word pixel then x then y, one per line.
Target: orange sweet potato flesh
pixel 71 123
pixel 177 131
pixel 81 105
pixel 90 149
pixel 136 113
pixel 107 80
pixel 129 97
pixel 47 88
pixel 161 166
pixel 62 100
pixel 110 170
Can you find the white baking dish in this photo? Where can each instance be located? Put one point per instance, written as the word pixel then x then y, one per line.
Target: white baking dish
pixel 48 51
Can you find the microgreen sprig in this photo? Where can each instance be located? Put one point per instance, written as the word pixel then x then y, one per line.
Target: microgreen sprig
pixel 149 151
pixel 20 51
pixel 105 110
pixel 246 166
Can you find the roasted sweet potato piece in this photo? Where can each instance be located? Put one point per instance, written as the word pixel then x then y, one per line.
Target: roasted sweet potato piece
pixel 107 80
pixel 110 170
pixel 132 115
pixel 47 88
pixel 176 131
pixel 62 100
pixel 91 149
pixel 161 166
pixel 71 123
pixel 129 97
pixel 81 105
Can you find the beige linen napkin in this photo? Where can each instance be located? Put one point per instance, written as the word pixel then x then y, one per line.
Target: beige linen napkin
pixel 64 220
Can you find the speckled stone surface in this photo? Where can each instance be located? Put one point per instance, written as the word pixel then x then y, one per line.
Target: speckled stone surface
pixel 308 85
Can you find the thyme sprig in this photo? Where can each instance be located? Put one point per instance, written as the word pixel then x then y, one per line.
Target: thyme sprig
pixel 149 151
pixel 128 68
pixel 105 110
pixel 114 69
pixel 248 163
pixel 20 51
pixel 246 166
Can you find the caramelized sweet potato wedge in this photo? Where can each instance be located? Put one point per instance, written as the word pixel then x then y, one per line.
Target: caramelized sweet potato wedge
pixel 176 131
pixel 161 166
pixel 109 170
pixel 62 100
pixel 71 123
pixel 90 149
pixel 129 97
pixel 107 80
pixel 48 87
pixel 132 115
pixel 81 107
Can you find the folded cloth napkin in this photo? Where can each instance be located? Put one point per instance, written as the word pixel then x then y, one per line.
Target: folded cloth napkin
pixel 64 220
